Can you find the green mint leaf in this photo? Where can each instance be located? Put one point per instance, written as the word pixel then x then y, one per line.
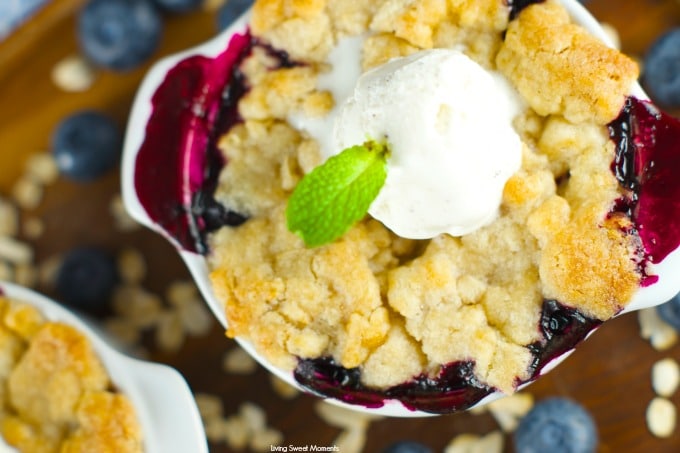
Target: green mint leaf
pixel 337 194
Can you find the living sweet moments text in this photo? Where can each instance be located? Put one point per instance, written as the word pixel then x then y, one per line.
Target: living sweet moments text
pixel 291 448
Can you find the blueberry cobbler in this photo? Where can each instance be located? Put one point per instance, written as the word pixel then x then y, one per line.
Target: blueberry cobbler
pixel 520 206
pixel 55 394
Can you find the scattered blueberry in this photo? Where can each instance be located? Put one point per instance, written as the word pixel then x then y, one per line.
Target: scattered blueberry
pixel 231 11
pixel 179 6
pixel 407 446
pixel 670 311
pixel 86 279
pixel 556 425
pixel 119 34
pixel 86 145
pixel 662 69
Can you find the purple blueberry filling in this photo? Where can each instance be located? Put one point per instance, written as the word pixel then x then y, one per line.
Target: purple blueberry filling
pixel 176 176
pixel 646 162
pixel 178 163
pixel 455 387
pixel 562 328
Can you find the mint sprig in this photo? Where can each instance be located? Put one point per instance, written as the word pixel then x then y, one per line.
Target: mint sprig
pixel 337 194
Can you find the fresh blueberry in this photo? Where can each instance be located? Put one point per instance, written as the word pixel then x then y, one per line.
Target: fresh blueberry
pixel 407 446
pixel 670 311
pixel 231 11
pixel 556 425
pixel 119 34
pixel 179 6
pixel 86 145
pixel 86 278
pixel 662 69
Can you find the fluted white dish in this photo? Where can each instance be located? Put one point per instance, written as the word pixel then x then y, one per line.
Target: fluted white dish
pixel 668 284
pixel 163 402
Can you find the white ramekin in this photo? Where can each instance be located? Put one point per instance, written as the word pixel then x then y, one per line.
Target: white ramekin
pixel 163 402
pixel 667 286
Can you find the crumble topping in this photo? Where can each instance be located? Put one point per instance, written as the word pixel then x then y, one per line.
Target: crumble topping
pixel 559 68
pixel 397 307
pixel 55 394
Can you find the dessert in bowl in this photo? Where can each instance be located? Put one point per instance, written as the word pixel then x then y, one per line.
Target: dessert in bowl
pixel 525 197
pixel 67 389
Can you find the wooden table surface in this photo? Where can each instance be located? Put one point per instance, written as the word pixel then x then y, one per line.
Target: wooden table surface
pixel 609 374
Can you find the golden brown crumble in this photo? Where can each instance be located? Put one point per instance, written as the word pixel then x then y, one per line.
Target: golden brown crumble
pixel 397 307
pixel 560 69
pixel 55 393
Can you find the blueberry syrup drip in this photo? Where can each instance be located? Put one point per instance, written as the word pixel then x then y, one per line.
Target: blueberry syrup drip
pixel 326 378
pixel 516 6
pixel 454 388
pixel 562 328
pixel 646 162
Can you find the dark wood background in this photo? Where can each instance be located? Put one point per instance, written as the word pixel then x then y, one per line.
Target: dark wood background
pixel 609 374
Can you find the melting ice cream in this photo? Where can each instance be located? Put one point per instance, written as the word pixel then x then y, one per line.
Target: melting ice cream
pixel 449 124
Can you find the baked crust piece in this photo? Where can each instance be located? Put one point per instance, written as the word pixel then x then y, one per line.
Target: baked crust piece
pixel 371 296
pixel 560 69
pixel 107 423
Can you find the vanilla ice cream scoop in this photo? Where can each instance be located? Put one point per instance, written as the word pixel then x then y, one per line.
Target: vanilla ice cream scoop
pixel 448 122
